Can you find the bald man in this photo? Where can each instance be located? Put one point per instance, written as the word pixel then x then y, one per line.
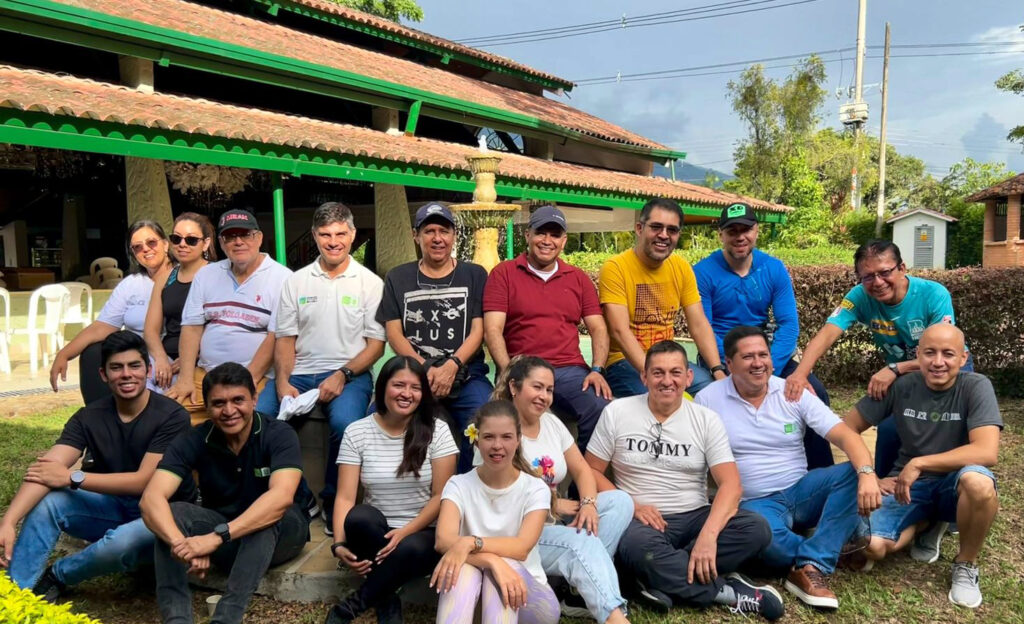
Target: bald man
pixel 948 423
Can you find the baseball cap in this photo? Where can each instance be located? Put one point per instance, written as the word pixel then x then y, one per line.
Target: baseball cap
pixel 237 219
pixel 433 209
pixel 545 215
pixel 737 213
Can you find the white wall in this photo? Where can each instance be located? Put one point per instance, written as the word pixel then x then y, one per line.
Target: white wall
pixel 903 236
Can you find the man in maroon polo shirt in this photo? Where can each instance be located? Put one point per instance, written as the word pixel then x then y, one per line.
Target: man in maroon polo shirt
pixel 533 305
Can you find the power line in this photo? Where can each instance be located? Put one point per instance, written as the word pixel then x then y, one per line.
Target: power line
pixel 690 15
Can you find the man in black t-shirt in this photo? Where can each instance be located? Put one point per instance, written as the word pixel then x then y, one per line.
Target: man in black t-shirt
pixel 432 310
pixel 255 504
pixel 126 435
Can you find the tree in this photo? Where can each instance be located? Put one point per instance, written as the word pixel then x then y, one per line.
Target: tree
pixel 393 10
pixel 1014 83
pixel 964 239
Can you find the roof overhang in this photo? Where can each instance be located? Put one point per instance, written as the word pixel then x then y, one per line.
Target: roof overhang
pixel 1010 186
pixel 921 211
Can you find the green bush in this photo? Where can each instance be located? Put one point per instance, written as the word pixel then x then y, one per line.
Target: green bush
pixel 859 226
pixel 21 606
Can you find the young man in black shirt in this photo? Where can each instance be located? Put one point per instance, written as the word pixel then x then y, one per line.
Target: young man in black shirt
pixel 255 504
pixel 126 435
pixel 432 310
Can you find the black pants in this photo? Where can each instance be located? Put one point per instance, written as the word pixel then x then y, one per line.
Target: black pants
pixel 414 556
pixel 660 560
pixel 247 557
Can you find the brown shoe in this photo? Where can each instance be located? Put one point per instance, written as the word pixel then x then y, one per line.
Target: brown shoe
pixel 811 586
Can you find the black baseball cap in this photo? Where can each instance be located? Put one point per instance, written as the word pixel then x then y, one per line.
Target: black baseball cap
pixel 433 210
pixel 737 213
pixel 545 215
pixel 237 219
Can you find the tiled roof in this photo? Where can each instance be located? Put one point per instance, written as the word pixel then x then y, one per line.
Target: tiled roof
pixel 32 90
pixel 1013 186
pixel 231 28
pixel 358 17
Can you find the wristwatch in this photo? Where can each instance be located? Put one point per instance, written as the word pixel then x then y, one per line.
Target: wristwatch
pixel 334 548
pixel 588 500
pixel 895 368
pixel 223 532
pixel 597 369
pixel 719 367
pixel 455 358
pixel 347 372
pixel 77 479
pixel 478 544
pixel 865 470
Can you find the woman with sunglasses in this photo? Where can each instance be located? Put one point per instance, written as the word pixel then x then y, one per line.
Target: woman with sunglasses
pixel 191 239
pixel 580 545
pixel 147 249
pixel 402 456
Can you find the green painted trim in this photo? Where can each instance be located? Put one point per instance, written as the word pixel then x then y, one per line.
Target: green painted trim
pixel 74 25
pixel 39 129
pixel 414 117
pixel 280 248
pixel 446 55
pixel 509 246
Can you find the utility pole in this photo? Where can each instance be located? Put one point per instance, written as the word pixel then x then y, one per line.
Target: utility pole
pixel 858 99
pixel 880 212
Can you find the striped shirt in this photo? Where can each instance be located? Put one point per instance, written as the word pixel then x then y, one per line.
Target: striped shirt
pixel 379 454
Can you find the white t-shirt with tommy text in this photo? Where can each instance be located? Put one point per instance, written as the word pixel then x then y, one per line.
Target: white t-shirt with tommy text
pixel 661 464
pixel 379 454
pixel 488 512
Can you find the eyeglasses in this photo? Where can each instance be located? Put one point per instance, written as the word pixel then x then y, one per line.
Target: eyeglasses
pixel 657 228
pixel 870 277
pixel 656 430
pixel 150 243
pixel 243 236
pixel 191 241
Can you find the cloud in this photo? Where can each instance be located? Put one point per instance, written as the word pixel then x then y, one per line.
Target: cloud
pixel 997 36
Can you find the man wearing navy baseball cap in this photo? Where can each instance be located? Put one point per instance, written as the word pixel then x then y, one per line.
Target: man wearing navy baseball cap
pixel 533 305
pixel 432 310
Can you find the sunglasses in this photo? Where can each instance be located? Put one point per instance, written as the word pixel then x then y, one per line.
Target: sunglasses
pixel 884 274
pixel 656 430
pixel 232 237
pixel 191 241
pixel 150 243
pixel 657 228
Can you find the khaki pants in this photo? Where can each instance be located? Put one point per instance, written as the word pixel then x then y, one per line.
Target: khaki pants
pixel 198 410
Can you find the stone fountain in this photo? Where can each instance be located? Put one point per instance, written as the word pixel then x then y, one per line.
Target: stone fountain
pixel 484 216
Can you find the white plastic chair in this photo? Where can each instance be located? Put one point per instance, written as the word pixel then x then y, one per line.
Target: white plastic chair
pixel 73 315
pixel 55 298
pixel 107 274
pixel 5 334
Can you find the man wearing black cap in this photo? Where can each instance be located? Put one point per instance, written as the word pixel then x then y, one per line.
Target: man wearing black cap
pixel 432 311
pixel 231 311
pixel 532 306
pixel 739 285
pixel 642 292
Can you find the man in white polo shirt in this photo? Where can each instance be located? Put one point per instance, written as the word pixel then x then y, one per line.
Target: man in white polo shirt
pixel 230 312
pixel 327 334
pixel 679 548
pixel 766 433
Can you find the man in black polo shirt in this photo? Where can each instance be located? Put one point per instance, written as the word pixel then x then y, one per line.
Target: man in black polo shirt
pixel 255 504
pixel 126 433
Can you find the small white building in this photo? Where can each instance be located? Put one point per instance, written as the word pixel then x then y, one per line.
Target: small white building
pixel 921 236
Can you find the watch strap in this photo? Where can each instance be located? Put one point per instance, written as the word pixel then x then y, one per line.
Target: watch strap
pixel 717 367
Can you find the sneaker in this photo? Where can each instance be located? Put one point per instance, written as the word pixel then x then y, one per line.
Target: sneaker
pixel 48 587
pixel 573 605
pixel 763 600
pixel 926 544
pixel 811 586
pixel 327 520
pixel 390 611
pixel 653 599
pixel 953 529
pixel 965 590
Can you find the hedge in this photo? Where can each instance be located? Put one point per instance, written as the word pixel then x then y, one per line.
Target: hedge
pixel 21 606
pixel 988 306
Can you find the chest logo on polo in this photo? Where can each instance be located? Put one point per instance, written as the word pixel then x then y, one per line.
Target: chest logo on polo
pixel 884 327
pixel 307 299
pixel 789 428
pixel 932 416
pixel 262 472
pixel 349 301
pixel 916 328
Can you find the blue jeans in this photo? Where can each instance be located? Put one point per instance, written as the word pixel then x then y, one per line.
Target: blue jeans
pixel 625 381
pixel 825 498
pixel 345 409
pixel 474 392
pixel 572 401
pixel 585 561
pixel 931 498
pixel 120 541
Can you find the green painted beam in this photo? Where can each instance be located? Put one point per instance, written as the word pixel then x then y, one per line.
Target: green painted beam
pixel 110 33
pixel 414 117
pixel 280 245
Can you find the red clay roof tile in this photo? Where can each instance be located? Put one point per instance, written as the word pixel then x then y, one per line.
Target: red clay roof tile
pixel 1011 186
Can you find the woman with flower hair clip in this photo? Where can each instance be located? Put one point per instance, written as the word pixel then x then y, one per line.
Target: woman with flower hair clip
pixel 580 544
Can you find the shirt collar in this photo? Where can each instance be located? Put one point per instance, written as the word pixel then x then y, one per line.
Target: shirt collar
pixel 349 271
pixel 522 263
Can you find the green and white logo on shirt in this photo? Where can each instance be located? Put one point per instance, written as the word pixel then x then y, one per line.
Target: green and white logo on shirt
pixel 262 472
pixel 305 300
pixel 789 428
pixel 349 301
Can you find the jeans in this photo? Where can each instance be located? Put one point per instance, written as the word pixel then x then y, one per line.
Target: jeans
pixel 825 498
pixel 343 410
pixel 583 406
pixel 475 391
pixel 660 560
pixel 625 381
pixel 247 558
pixel 120 540
pixel 931 498
pixel 585 561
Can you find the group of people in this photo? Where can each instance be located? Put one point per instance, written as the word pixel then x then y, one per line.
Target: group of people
pixel 185 463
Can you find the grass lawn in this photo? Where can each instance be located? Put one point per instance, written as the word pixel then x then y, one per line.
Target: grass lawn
pixel 897 591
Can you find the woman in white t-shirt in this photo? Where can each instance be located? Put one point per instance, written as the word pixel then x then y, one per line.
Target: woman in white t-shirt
pixel 491 518
pixel 148 250
pixel 580 545
pixel 403 456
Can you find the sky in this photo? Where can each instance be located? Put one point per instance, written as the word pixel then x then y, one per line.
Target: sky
pixel 940 108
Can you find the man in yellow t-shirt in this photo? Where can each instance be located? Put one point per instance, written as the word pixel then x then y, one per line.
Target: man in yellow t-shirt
pixel 642 291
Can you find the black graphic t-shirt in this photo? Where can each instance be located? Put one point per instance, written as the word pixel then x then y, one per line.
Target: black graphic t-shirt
pixel 436 314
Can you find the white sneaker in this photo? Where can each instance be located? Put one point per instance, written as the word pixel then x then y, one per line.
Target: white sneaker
pixel 965 589
pixel 926 545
